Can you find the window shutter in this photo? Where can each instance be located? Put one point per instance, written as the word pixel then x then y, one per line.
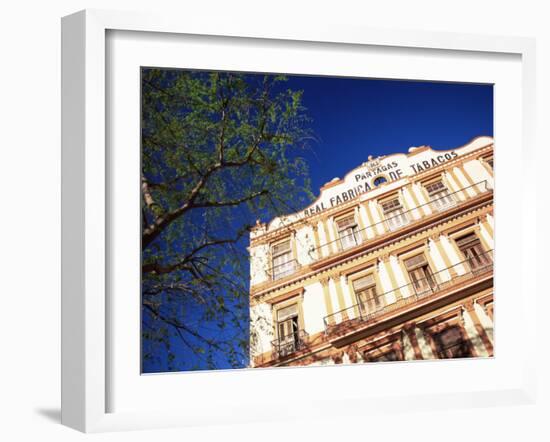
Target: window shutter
pixel 467 240
pixel 363 283
pixel 346 222
pixel 438 186
pixel 416 261
pixel 391 205
pixel 287 312
pixel 282 247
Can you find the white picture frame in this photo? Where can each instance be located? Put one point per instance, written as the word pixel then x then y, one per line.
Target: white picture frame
pixel 86 315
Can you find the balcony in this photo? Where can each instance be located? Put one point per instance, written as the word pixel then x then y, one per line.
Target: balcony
pixel 289 344
pixel 420 289
pixel 329 252
pixel 442 203
pixel 404 218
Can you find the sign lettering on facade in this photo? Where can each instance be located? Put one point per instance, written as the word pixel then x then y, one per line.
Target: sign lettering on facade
pixel 363 180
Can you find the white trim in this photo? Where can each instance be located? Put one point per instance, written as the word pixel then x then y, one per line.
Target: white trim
pixel 84 322
pixel 84 235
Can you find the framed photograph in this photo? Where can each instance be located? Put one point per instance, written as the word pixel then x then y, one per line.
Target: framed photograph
pixel 280 223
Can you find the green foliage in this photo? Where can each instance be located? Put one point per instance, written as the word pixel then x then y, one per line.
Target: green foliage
pixel 219 150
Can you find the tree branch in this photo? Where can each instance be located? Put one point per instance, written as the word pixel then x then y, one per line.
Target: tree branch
pixel 182 264
pixel 147 196
pixel 153 230
pixel 231 202
pixel 180 326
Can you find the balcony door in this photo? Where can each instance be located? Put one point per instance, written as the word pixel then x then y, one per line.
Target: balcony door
pixel 288 329
pixel 440 197
pixel 348 232
pixel 367 297
pixel 477 258
pixel 420 274
pixel 394 213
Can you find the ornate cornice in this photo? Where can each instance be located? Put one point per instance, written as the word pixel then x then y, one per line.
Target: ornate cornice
pixel 412 179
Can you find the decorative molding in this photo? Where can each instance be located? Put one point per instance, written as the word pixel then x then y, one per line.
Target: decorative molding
pixel 408 179
pixel 285 296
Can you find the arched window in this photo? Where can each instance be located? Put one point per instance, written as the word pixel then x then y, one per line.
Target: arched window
pixel 379 180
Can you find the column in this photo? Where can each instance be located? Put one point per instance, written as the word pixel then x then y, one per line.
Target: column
pixel 459 266
pixel 328 301
pixel 482 333
pixel 436 241
pixel 466 335
pixel 407 207
pixel 400 275
pixel 362 232
pixel 336 243
pixel 410 289
pixel 381 216
pixel 485 317
pixel 294 249
pixel 409 330
pixel 425 201
pixel 384 261
pixel 370 218
pixel 477 187
pixel 329 242
pixel 484 233
pixel 486 221
pixel 431 262
pixel 425 348
pixel 482 238
pixel 408 350
pixel 466 180
pixel 316 241
pixel 342 303
pixel 419 207
pixel 457 185
pixel 367 221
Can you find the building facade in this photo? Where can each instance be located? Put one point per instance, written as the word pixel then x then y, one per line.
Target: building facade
pixel 392 262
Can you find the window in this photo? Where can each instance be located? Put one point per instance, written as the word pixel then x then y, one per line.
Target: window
pixel 379 180
pixel 288 330
pixel 439 195
pixel 473 252
pixel 394 213
pixel 450 343
pixel 281 259
pixel 367 298
pixel 489 161
pixel 347 232
pixel 420 274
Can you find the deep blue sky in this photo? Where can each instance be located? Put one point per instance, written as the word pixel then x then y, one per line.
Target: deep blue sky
pixel 355 118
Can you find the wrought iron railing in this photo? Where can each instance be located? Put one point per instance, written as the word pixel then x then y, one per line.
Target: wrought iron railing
pixel 289 344
pixel 444 202
pixel 393 223
pixel 416 290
